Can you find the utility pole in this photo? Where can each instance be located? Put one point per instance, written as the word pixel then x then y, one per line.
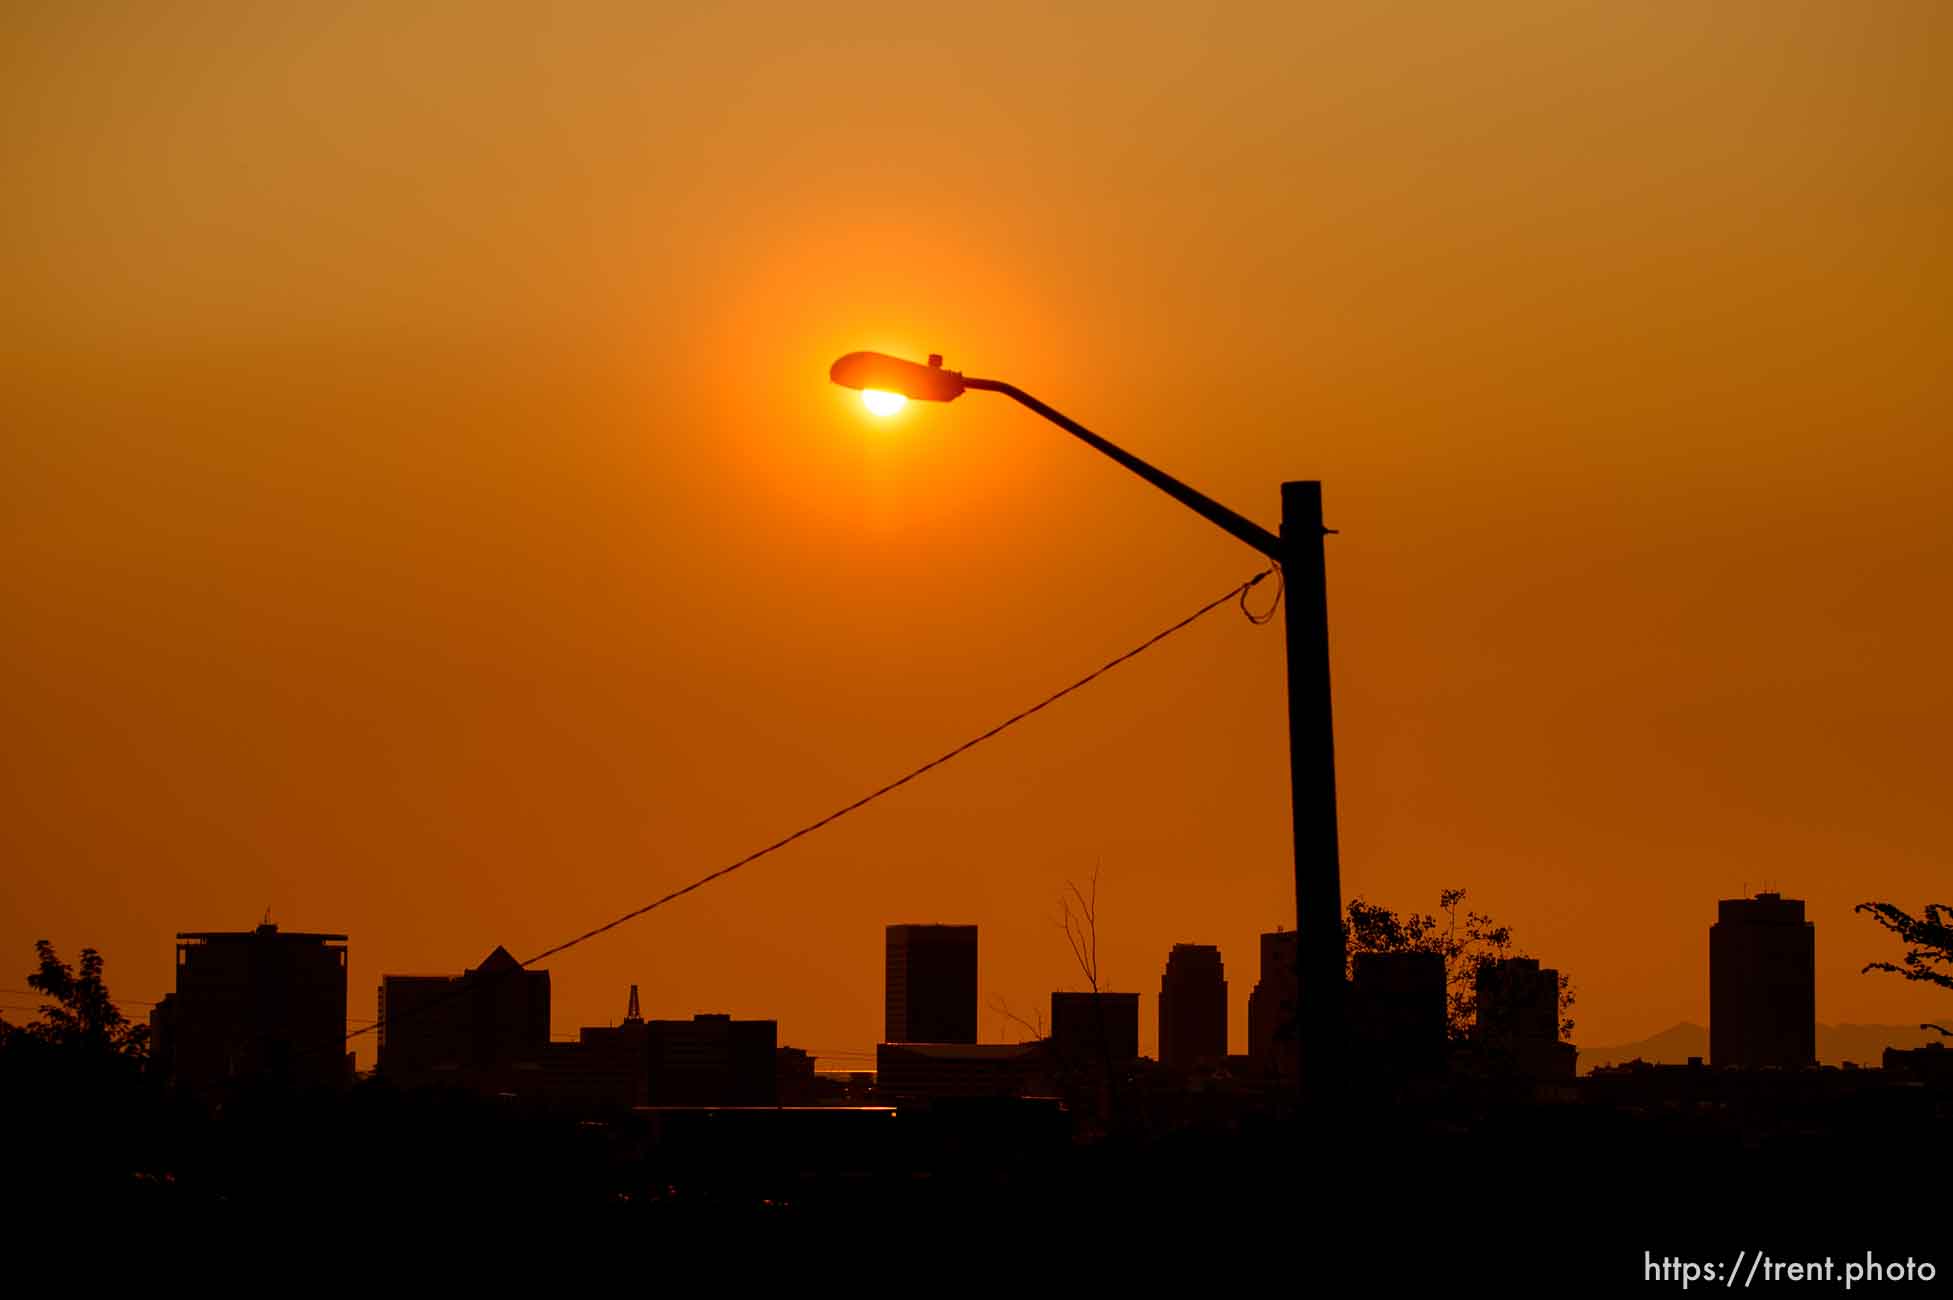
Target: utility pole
pixel 1320 955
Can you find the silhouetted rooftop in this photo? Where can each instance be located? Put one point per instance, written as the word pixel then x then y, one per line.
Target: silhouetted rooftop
pixel 263 931
pixel 971 1051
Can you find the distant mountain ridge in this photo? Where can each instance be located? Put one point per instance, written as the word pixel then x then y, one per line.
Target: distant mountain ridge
pixel 1836 1044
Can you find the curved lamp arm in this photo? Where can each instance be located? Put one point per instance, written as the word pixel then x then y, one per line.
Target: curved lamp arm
pixel 1199 502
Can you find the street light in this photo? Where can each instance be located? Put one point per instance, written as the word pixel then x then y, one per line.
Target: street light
pixel 1311 734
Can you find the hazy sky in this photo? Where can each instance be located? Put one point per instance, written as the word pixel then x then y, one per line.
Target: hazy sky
pixel 423 511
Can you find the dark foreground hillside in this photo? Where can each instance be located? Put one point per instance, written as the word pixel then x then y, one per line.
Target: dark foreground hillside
pixel 1592 1193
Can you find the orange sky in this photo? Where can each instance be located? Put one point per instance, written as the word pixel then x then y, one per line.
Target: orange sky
pixel 424 511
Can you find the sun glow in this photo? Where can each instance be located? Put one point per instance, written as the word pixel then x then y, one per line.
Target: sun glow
pixel 882 403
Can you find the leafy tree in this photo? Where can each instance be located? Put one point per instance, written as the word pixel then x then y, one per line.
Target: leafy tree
pixel 91 1122
pixel 80 1016
pixel 1468 942
pixel 1929 944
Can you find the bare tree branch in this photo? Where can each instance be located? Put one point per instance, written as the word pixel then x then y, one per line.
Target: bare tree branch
pixel 1081 927
pixel 1035 1025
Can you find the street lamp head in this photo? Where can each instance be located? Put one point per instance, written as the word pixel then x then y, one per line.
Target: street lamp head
pixel 874 372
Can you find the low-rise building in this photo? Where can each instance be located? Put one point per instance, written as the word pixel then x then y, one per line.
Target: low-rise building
pixel 713 1060
pixel 486 1029
pixel 1090 1031
pixel 1397 1014
pixel 922 1071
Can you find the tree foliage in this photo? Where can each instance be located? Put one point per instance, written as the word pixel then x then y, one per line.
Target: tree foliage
pixel 1928 938
pixel 79 1016
pixel 87 1116
pixel 1468 941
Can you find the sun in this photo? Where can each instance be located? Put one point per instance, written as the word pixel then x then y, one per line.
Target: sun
pixel 882 403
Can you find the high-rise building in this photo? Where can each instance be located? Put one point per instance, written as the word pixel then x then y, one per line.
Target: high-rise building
pixel 1517 1026
pixel 1091 1030
pixel 1193 1006
pixel 471 1029
pixel 255 1006
pixel 1272 1041
pixel 931 990
pixel 1396 1009
pixel 1762 984
pixel 713 1060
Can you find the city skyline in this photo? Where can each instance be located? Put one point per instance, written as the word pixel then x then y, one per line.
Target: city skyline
pixel 1763 982
pixel 1012 1028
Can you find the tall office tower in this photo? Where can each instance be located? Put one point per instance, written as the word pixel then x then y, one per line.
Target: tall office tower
pixel 931 992
pixel 255 1006
pixel 1272 1041
pixel 463 1028
pixel 1193 1006
pixel 1762 984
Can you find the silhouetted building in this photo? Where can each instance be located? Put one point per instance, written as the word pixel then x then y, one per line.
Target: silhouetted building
pixel 1762 984
pixel 1273 1044
pixel 931 991
pixel 1870 1105
pixel 476 1029
pixel 921 1071
pixel 607 1065
pixel 795 1082
pixel 257 1005
pixel 846 1087
pixel 713 1060
pixel 1932 1063
pixel 1091 1030
pixel 1193 1006
pixel 1397 1013
pixel 162 1037
pixel 1517 1028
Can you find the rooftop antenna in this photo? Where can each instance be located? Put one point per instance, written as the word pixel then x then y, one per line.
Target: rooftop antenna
pixel 632 1014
